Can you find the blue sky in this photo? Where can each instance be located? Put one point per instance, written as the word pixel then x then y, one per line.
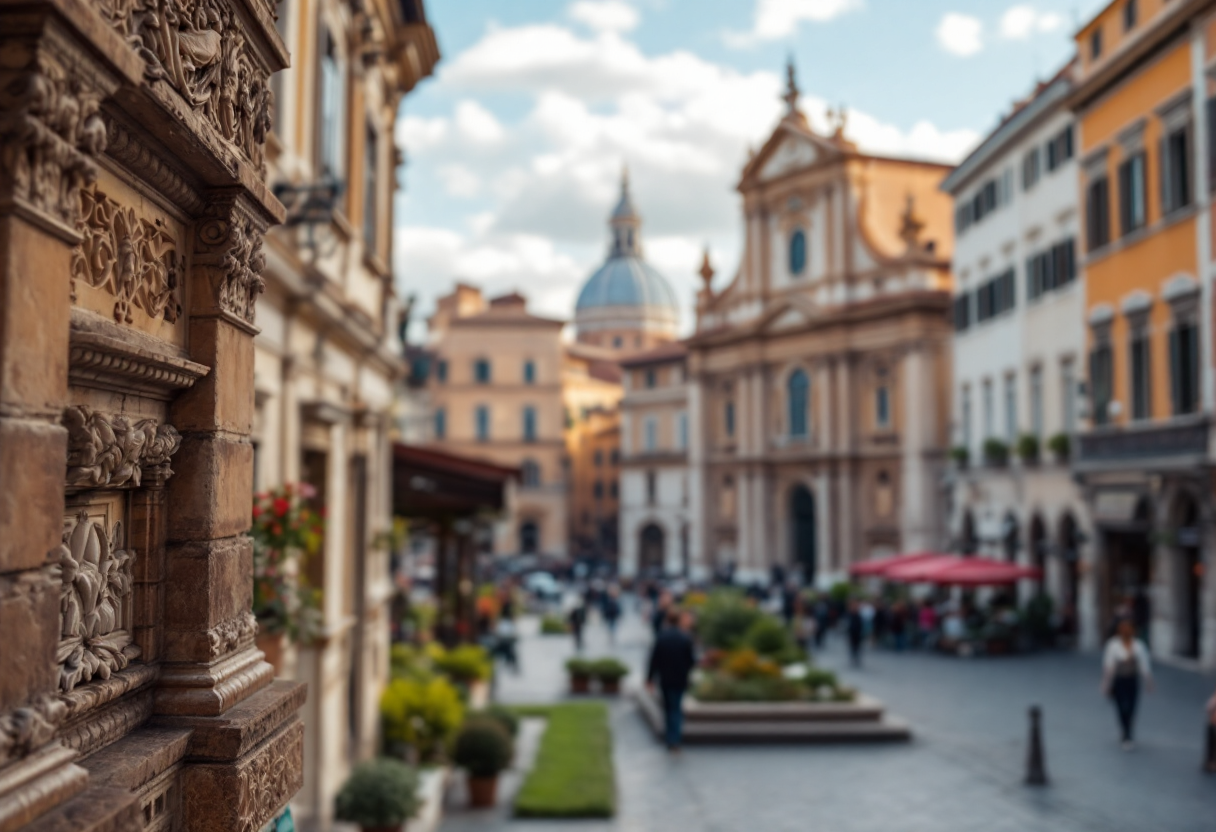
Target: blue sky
pixel 514 148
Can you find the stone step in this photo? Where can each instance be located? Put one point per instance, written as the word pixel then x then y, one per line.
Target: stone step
pixel 863 709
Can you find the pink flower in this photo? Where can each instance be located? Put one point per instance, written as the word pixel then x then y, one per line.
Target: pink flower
pixel 307 491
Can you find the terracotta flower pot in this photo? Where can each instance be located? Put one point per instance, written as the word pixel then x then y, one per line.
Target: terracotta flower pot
pixel 610 687
pixel 272 645
pixel 580 684
pixel 483 791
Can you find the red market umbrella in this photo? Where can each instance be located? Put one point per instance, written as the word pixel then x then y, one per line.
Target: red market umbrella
pixel 880 566
pixel 984 572
pixel 921 571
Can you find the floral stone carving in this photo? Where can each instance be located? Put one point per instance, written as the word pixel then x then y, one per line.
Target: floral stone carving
pixel 96 585
pixel 133 259
pixel 235 242
pixel 111 451
pixel 198 47
pixel 24 729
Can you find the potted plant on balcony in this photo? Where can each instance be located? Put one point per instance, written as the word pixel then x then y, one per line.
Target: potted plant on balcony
pixel 1028 449
pixel 960 456
pixel 483 749
pixel 379 796
pixel 996 453
pixel 286 531
pixel 609 672
pixel 1060 446
pixel 580 675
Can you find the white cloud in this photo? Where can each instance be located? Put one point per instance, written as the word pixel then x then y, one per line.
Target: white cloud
pixel 539 185
pixel 605 15
pixel 960 34
pixel 1020 22
pixel 777 19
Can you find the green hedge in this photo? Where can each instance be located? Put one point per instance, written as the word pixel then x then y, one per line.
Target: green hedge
pixel 573 775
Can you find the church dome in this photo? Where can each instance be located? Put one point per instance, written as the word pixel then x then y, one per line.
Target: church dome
pixel 626 293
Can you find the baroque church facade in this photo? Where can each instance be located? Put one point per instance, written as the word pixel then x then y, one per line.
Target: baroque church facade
pixel 819 376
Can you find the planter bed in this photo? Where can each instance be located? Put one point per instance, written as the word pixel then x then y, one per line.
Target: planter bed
pixel 863 720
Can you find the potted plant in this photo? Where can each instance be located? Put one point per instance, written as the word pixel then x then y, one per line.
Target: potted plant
pixel 960 456
pixel 483 749
pixel 580 675
pixel 1060 446
pixel 1028 448
pixel 996 453
pixel 380 796
pixel 609 673
pixel 420 716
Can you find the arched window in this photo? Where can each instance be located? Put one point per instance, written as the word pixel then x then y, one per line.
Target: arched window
pixel 529 472
pixel 798 252
pixel 798 390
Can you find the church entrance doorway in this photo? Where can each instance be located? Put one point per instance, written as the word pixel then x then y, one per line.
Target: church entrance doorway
pixel 803 552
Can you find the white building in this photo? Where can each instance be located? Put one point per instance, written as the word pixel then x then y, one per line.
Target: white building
pixel 1019 347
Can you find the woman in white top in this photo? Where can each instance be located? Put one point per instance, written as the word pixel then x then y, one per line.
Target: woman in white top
pixel 1124 663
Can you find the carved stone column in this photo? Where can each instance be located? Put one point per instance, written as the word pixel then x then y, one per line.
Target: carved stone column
pixel 53 77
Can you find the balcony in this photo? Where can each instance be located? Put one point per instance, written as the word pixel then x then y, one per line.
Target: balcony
pixel 1180 442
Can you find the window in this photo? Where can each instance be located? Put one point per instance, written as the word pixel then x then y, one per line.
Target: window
pixel 728 418
pixel 1097 212
pixel 651 378
pixel 988 412
pixel 1068 383
pixel 529 372
pixel 1030 169
pixel 441 423
pixel 1095 44
pixel 1141 390
pixel 1176 170
pixel 1051 269
pixel 651 487
pixel 613 491
pixel 482 420
pixel 996 296
pixel 1211 118
pixel 682 429
pixel 597 490
pixel 1133 213
pixel 1100 370
pixel 882 406
pixel 651 434
pixel 441 371
pixel 1129 15
pixel 615 457
pixel 371 192
pixel 1184 367
pixel 798 389
pixel 1036 401
pixel 1011 409
pixel 965 417
pixel 332 110
pixel 1059 149
pixel 529 423
pixel 529 473
pixel 598 458
pixel 962 312
pixel 797 252
pixel 481 371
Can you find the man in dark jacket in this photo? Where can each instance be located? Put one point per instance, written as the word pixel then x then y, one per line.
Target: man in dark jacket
pixel 671 662
pixel 855 627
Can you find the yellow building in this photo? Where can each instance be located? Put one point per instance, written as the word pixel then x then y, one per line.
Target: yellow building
pixel 593 447
pixel 327 361
pixel 1142 96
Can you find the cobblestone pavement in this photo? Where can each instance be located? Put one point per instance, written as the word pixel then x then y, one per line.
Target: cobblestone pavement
pixel 961 773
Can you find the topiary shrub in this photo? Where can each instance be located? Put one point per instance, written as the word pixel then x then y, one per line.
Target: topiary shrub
pixel 1028 448
pixel 465 664
pixel 423 714
pixel 379 793
pixel 483 748
pixel 725 619
pixel 503 716
pixel 578 667
pixel 769 637
pixel 553 625
pixel 996 452
pixel 609 670
pixel 1060 446
pixel 960 456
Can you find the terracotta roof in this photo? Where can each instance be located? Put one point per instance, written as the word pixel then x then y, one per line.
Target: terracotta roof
pixel 674 351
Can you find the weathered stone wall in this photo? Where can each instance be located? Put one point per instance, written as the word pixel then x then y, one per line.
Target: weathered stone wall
pixel 132 209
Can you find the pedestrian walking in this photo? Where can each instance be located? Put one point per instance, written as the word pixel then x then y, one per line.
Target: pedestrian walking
pixel 855 627
pixel 612 612
pixel 822 621
pixel 578 619
pixel 658 616
pixel 1124 663
pixel 672 659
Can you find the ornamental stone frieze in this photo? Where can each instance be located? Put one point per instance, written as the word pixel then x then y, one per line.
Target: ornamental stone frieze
pixel 51 128
pixel 105 451
pixel 133 258
pixel 228 244
pixel 199 48
pixel 94 603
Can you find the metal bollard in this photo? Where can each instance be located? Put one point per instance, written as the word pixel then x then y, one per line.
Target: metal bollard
pixel 1036 768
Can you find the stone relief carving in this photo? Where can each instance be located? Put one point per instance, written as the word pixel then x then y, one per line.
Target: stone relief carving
pixel 197 47
pixel 24 729
pixel 229 635
pixel 138 158
pixel 241 262
pixel 50 130
pixel 110 451
pixel 270 780
pixel 96 585
pixel 132 258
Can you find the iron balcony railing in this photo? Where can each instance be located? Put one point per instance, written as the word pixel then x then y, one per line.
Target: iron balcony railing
pixel 1185 436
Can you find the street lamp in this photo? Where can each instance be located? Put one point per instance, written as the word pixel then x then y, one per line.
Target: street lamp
pixel 310 205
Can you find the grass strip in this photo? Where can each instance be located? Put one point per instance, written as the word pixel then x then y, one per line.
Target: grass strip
pixel 573 775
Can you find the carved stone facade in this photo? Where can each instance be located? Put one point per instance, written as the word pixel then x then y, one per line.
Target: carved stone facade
pixel 132 207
